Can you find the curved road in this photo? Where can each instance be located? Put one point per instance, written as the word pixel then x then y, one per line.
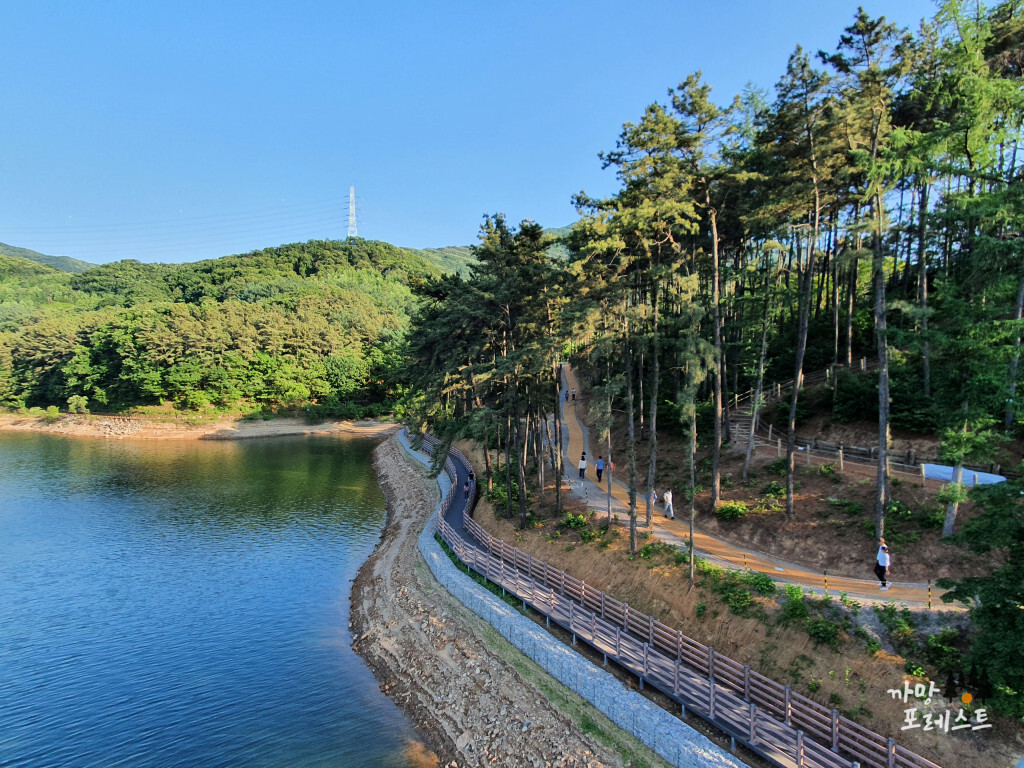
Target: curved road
pixel 575 440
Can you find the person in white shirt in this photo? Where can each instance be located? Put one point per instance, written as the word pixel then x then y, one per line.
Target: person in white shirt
pixel 669 512
pixel 583 466
pixel 883 561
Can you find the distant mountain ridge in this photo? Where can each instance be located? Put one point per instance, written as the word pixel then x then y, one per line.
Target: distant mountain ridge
pixel 451 258
pixel 63 263
pixel 459 258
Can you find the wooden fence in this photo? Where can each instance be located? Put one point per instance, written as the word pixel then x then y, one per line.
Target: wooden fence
pixel 910 465
pixel 771 719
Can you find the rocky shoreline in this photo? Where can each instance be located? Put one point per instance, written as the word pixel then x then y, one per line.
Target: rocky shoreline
pixel 474 700
pixel 114 427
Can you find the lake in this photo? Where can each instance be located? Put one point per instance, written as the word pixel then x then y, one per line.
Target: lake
pixel 186 604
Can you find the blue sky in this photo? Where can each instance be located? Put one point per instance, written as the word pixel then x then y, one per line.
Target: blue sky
pixel 189 130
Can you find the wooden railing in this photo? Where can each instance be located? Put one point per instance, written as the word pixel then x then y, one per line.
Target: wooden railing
pixel 771 719
pixel 912 465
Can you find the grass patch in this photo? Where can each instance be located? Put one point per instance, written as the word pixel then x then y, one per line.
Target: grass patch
pixel 490 586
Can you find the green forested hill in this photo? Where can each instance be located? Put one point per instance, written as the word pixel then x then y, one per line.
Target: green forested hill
pixel 316 323
pixel 63 263
pixel 453 258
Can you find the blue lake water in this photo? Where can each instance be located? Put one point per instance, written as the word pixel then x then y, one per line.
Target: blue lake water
pixel 186 604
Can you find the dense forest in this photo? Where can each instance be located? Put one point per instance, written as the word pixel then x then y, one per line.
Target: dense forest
pixel 871 205
pixel 317 326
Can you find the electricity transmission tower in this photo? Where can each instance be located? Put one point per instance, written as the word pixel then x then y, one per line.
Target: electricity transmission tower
pixel 352 229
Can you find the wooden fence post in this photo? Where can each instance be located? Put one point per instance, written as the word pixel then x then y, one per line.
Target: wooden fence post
pixel 840 458
pixel 746 682
pixel 711 700
pixel 675 684
pixel 789 704
pixel 799 748
pixel 778 451
pixel 769 433
pixel 751 712
pixel 890 753
pixel 835 730
pixel 646 650
pixel 711 664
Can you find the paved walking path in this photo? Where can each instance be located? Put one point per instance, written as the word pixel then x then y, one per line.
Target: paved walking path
pixel 575 440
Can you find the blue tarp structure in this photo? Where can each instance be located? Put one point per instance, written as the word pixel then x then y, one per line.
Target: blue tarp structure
pixel 970 476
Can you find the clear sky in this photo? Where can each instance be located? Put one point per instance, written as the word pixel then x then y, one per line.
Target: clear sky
pixel 176 131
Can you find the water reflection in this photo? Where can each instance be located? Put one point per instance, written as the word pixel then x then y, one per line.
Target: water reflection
pixel 186 604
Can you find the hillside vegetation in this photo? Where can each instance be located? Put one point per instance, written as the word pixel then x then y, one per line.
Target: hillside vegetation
pixel 317 325
pixel 63 263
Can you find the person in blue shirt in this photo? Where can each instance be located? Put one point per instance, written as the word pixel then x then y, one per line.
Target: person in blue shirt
pixel 599 466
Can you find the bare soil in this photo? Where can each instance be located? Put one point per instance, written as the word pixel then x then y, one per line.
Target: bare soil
pixel 833 524
pixel 475 699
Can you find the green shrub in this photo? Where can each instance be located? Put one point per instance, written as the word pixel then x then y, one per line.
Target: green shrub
pixel 575 522
pixel 78 404
pixel 52 414
pixel 898 510
pixel 646 551
pixel 738 601
pixel 761 583
pixel 899 623
pixel 794 610
pixel 777 467
pixel 824 632
pixel 702 608
pixel 850 508
pixel 775 490
pixel 827 470
pixel 731 510
pixel 941 651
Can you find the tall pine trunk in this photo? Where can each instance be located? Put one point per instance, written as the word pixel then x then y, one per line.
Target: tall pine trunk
pixel 630 415
pixel 755 405
pixel 922 289
pixel 806 291
pixel 716 447
pixel 882 342
pixel 653 425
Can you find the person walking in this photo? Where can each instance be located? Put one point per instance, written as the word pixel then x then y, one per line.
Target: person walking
pixel 599 466
pixel 583 466
pixel 465 490
pixel 567 395
pixel 574 394
pixel 882 564
pixel 669 512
